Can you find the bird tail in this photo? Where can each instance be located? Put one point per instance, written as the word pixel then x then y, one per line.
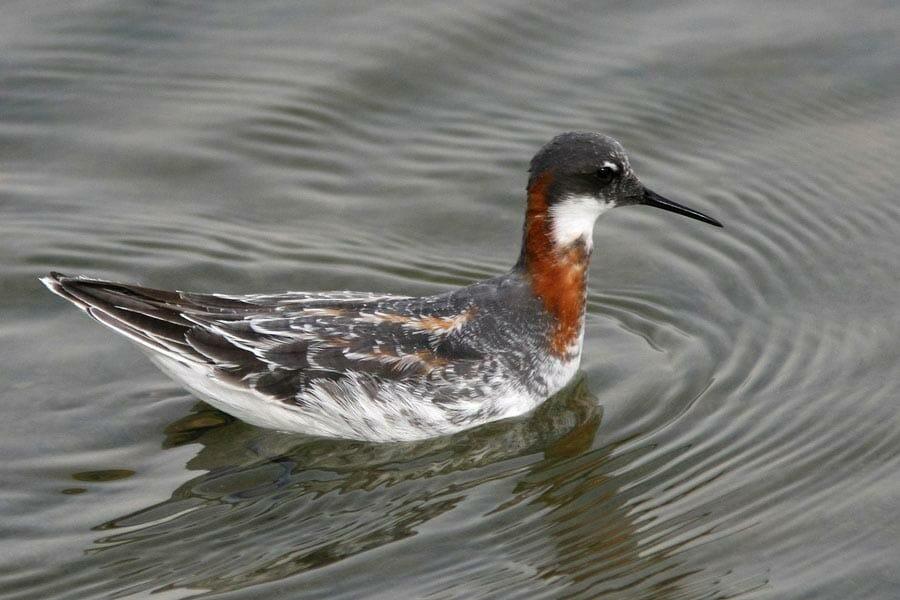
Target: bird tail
pixel 147 316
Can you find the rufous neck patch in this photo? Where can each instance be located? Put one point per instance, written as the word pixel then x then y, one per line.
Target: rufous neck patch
pixel 558 275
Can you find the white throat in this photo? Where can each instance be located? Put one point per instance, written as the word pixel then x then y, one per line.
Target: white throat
pixel 573 218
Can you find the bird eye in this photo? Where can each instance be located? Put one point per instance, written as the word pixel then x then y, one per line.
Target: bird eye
pixel 605 174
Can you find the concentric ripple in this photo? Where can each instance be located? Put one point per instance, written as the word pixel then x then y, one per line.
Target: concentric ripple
pixel 734 432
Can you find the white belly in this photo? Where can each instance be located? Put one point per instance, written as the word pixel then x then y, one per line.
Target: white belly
pixel 397 413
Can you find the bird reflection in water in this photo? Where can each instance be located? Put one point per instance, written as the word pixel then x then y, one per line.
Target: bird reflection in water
pixel 552 488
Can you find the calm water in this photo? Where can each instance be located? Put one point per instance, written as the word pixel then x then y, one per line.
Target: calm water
pixel 734 432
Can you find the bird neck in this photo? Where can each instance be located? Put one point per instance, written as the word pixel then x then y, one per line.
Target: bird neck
pixel 556 272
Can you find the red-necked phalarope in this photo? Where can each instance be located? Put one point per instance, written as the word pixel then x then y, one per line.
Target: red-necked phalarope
pixel 382 367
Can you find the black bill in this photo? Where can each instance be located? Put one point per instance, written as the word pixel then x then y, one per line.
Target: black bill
pixel 651 198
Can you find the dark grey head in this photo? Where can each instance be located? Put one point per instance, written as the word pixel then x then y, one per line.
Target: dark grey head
pixel 580 175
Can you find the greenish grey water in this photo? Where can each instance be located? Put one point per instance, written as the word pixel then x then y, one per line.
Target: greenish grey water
pixel 734 431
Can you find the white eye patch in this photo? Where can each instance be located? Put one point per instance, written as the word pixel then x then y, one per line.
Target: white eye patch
pixel 611 165
pixel 573 218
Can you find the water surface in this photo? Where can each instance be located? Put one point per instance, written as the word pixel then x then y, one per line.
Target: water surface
pixel 733 432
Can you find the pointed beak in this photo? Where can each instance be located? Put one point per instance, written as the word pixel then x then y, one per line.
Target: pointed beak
pixel 651 198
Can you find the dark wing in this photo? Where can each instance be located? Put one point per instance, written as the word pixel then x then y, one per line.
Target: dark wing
pixel 278 344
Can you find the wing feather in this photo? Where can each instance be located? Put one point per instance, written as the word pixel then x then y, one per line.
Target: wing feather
pixel 279 344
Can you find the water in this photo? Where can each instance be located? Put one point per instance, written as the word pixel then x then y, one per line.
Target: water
pixel 734 431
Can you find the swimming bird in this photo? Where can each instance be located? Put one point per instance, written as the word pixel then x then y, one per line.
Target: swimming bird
pixel 383 367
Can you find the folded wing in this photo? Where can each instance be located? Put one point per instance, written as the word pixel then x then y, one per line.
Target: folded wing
pixel 279 345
